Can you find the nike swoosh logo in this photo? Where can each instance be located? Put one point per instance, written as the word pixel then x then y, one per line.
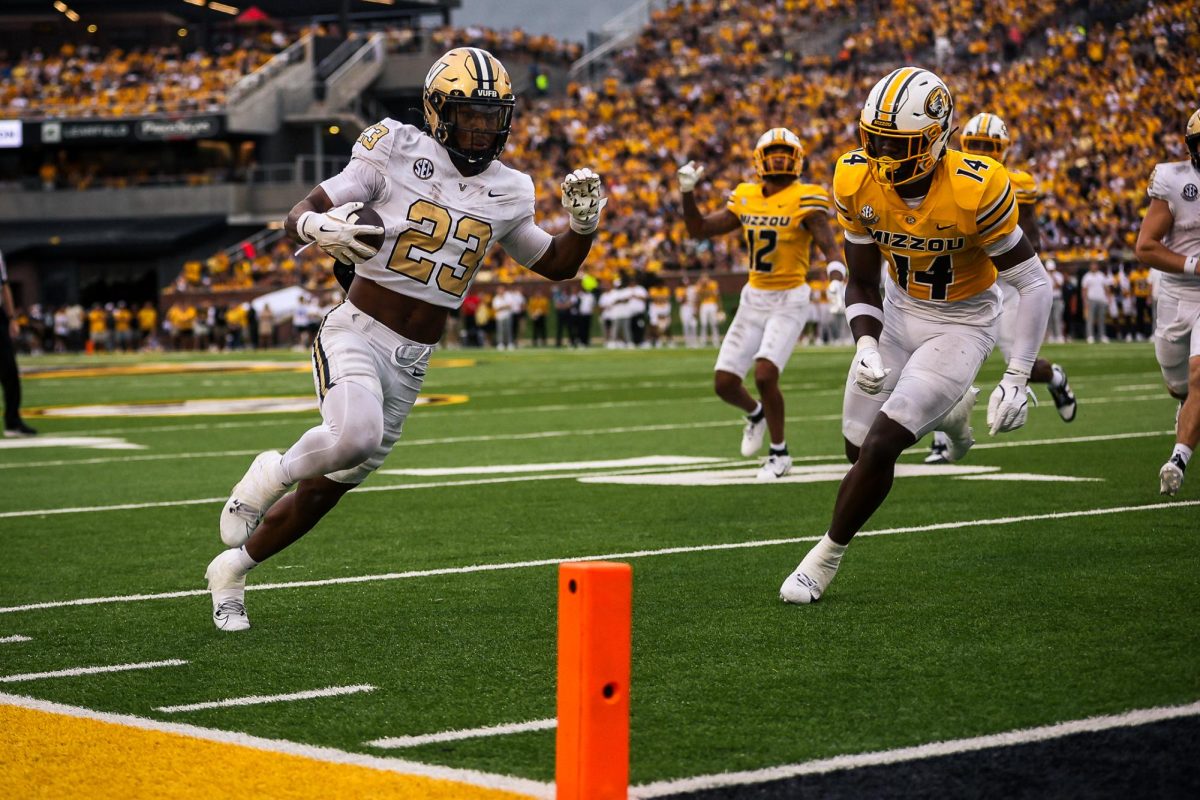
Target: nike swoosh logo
pixel 495 194
pixel 944 227
pixel 323 229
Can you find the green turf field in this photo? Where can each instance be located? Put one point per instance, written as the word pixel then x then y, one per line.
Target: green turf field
pixel 957 630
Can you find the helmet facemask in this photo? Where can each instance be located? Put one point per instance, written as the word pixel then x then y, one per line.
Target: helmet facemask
pixel 983 145
pixel 900 157
pixel 473 129
pixel 779 160
pixel 1192 139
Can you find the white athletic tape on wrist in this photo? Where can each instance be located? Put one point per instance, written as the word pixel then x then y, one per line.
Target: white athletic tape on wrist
pixel 863 310
pixel 1190 264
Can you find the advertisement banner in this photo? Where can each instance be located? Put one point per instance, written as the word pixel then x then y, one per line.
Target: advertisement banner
pixel 156 129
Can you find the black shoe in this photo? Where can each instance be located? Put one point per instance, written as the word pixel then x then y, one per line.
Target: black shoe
pixel 1064 398
pixel 18 431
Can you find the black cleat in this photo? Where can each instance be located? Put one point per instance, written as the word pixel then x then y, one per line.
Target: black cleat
pixel 1064 398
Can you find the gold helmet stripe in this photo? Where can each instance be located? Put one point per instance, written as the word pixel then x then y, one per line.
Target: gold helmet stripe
pixel 483 68
pixel 984 123
pixel 895 90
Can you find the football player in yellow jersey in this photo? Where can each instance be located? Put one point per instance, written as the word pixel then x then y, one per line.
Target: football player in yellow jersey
pixel 945 222
pixel 780 218
pixel 987 135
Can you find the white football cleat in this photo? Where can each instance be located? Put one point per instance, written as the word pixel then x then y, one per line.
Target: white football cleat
pixel 752 436
pixel 800 589
pixel 228 589
pixel 1170 478
pixel 957 427
pixel 776 467
pixel 939 451
pixel 250 500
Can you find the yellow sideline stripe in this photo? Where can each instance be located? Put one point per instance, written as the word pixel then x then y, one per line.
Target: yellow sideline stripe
pixel 199 367
pixel 50 755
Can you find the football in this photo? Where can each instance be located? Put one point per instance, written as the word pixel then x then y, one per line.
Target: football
pixel 368 216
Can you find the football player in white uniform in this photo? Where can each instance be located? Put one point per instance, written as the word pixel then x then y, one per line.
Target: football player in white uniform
pixel 444 198
pixel 780 217
pixel 1169 240
pixel 946 223
pixel 987 135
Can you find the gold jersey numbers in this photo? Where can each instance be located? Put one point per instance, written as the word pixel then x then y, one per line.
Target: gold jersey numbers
pixel 778 243
pixel 415 250
pixel 371 136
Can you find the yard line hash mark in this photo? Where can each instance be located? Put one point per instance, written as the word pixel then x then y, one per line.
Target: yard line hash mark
pixel 666 551
pixel 396 742
pixel 14 639
pixel 262 699
pixel 931 750
pixel 76 671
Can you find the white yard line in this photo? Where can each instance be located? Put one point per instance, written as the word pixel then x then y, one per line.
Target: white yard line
pixel 330 755
pixel 397 742
pixel 65 462
pixel 14 639
pixel 932 750
pixel 388 488
pixel 476 568
pixel 1002 442
pixel 76 671
pixel 262 699
pixel 511 469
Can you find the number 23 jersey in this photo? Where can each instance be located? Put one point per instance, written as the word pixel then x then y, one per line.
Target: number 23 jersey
pixel 936 251
pixel 438 223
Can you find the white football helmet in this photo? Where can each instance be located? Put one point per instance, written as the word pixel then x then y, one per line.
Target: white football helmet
pixel 905 125
pixel 1192 138
pixel 986 135
pixel 778 153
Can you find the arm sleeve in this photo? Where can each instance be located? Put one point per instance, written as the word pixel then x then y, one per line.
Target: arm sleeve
pixel 1030 280
pixel 526 243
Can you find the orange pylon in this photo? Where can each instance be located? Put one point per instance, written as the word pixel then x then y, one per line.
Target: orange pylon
pixel 595 626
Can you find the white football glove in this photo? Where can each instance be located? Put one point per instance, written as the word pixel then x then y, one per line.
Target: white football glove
pixel 335 234
pixel 1008 407
pixel 583 199
pixel 869 373
pixel 689 175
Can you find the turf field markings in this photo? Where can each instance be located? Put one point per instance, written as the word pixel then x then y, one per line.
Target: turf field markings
pixel 1107 437
pixel 262 699
pixel 666 551
pixel 76 671
pixel 500 469
pixel 14 639
pixel 90 442
pixel 818 473
pixel 64 462
pixel 482 780
pixel 1028 476
pixel 397 742
pixel 1138 387
pixel 877 758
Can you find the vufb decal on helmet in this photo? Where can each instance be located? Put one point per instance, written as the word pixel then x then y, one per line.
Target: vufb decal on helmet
pixel 986 135
pixel 779 153
pixel 1192 139
pixel 905 125
pixel 468 97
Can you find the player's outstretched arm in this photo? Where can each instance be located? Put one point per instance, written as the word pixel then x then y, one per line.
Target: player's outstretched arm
pixel 864 312
pixel 583 198
pixel 1023 270
pixel 701 226
pixel 1151 251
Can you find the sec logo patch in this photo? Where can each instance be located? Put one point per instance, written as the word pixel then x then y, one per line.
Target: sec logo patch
pixel 1190 192
pixel 423 168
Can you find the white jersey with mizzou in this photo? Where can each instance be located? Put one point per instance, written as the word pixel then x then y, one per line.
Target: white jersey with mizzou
pixel 438 223
pixel 1177 183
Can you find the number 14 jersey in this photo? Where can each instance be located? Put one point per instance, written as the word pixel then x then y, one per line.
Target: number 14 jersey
pixel 935 251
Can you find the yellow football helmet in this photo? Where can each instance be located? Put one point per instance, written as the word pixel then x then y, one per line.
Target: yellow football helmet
pixel 778 153
pixel 986 135
pixel 905 125
pixel 468 102
pixel 1192 138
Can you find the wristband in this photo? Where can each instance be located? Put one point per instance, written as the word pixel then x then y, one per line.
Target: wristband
pixel 1189 265
pixel 867 341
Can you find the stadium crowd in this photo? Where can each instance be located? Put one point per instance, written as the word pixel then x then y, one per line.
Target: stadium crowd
pixel 1091 107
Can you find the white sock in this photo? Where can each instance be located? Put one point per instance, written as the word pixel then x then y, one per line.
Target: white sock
pixel 243 560
pixel 940 439
pixel 779 448
pixel 1182 452
pixel 757 410
pixel 822 561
